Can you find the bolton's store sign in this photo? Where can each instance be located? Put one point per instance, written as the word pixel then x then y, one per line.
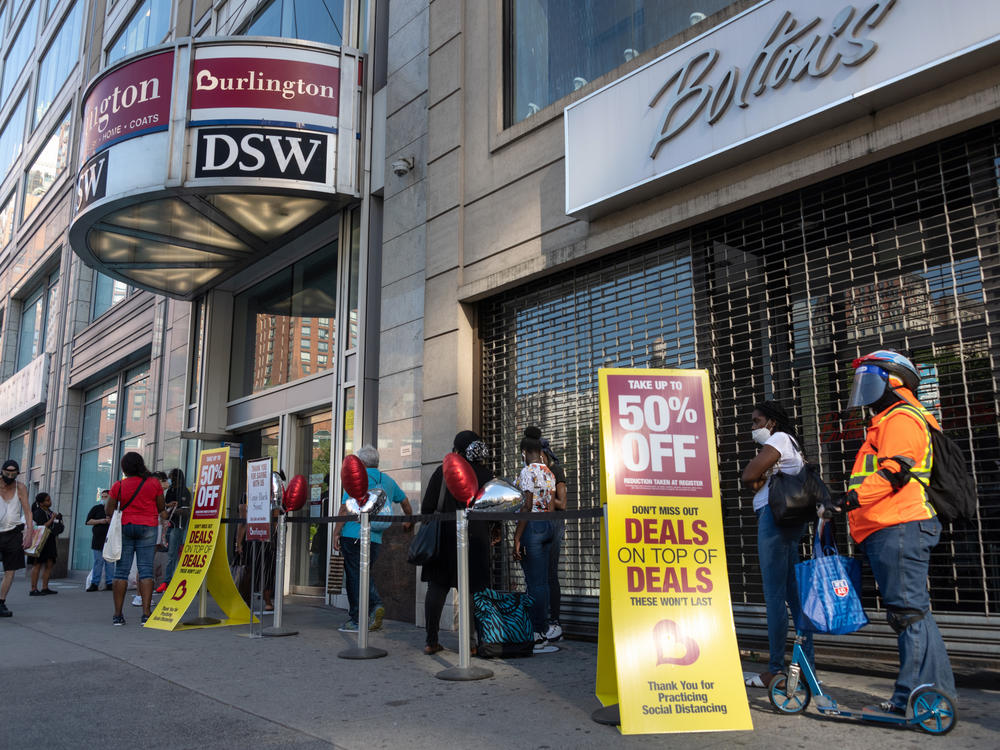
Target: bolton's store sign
pixel 199 159
pixel 777 72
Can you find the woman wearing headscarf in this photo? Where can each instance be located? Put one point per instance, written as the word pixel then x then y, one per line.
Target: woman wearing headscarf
pixel 441 574
pixel 777 546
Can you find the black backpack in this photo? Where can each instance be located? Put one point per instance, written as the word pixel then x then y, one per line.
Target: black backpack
pixel 951 490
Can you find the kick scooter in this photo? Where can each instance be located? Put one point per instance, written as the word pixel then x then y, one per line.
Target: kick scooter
pixel 928 708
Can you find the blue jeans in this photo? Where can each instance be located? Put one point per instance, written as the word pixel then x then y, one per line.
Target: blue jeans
pixel 140 541
pixel 351 550
pixel 778 549
pixel 102 568
pixel 175 541
pixel 899 556
pixel 537 540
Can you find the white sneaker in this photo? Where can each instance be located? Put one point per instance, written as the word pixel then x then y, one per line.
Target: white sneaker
pixel 554 633
pixel 136 601
pixel 540 642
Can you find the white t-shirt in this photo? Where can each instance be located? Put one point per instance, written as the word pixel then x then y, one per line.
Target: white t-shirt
pixel 10 513
pixel 789 461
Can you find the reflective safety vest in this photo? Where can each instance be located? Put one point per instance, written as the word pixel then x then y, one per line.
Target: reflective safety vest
pixel 896 436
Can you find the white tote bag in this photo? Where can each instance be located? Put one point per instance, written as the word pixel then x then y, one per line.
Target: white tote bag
pixel 113 544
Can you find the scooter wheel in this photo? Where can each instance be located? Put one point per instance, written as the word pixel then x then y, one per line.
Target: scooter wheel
pixel 933 711
pixel 795 703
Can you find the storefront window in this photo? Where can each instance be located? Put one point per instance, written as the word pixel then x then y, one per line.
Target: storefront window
pixel 268 319
pixel 558 46
pixel 17 56
pixel 312 20
pixel 12 137
pixel 308 542
pixel 47 167
pixel 147 28
pixel 105 426
pixel 20 444
pixel 108 292
pixel 59 60
pixel 352 289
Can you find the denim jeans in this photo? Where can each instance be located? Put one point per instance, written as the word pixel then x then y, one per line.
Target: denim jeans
pixel 899 556
pixel 555 592
pixel 175 542
pixel 537 540
pixel 140 541
pixel 102 569
pixel 778 550
pixel 351 550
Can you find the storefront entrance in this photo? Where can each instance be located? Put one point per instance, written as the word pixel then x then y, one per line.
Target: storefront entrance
pixel 308 541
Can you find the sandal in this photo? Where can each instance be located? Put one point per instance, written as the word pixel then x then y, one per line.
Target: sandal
pixel 754 680
pixel 432 648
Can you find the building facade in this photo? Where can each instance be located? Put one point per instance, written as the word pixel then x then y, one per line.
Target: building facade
pixel 763 190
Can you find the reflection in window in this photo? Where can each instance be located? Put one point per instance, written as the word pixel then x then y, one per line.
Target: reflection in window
pixel 147 28
pixel 12 137
pixel 17 56
pixel 7 221
pixel 59 60
pixel 313 20
pixel 108 292
pixel 48 165
pixel 272 312
pixel 31 329
pixel 558 46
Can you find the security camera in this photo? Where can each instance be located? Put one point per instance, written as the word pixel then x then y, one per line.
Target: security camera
pixel 402 167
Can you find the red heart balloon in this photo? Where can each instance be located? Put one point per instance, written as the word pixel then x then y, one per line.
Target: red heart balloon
pixel 460 478
pixel 296 493
pixel 354 478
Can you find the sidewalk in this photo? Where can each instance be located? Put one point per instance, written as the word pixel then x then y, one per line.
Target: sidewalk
pixel 82 683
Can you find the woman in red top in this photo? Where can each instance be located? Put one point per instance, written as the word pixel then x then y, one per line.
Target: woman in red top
pixel 140 498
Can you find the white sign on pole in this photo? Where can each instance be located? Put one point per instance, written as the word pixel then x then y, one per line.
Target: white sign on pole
pixel 259 499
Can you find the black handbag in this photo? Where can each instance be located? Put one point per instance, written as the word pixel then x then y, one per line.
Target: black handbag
pixel 427 542
pixel 793 497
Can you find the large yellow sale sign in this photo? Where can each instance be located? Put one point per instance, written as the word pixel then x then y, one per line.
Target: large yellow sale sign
pixel 667 651
pixel 199 561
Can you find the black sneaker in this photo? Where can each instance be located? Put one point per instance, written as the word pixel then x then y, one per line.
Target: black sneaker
pixel 143 620
pixel 4 612
pixel 118 621
pixel 35 592
pixel 92 587
pixel 886 707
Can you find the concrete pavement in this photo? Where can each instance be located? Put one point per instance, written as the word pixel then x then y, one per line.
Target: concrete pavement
pixel 74 681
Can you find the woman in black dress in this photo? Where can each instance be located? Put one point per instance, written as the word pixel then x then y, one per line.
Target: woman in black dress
pixel 41 512
pixel 441 574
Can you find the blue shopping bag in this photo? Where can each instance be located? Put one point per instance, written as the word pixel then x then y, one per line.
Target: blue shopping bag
pixel 828 587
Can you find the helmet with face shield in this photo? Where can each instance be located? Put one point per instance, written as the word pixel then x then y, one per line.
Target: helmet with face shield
pixel 879 372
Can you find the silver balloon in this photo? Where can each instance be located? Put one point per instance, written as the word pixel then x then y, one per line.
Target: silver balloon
pixel 373 504
pixel 277 489
pixel 498 496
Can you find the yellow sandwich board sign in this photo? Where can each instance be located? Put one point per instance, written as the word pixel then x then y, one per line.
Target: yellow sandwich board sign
pixel 667 651
pixel 198 560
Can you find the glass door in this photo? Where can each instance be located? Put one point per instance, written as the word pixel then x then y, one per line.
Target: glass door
pixel 308 541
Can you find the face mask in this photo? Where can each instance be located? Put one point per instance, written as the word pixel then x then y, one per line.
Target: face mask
pixel 9 480
pixel 761 435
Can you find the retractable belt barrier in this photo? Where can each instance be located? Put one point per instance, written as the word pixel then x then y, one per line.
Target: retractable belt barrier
pixel 423 517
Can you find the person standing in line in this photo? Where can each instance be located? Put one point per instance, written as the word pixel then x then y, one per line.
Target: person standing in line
pixel 178 504
pixel 893 520
pixel 533 538
pixel 42 563
pixel 98 520
pixel 347 539
pixel 162 535
pixel 555 631
pixel 16 525
pixel 441 573
pixel 140 499
pixel 777 546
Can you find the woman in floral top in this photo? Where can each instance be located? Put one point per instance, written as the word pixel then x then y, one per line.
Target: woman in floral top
pixel 533 538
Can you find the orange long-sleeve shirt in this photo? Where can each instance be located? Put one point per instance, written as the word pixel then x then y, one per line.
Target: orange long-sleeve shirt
pixel 892 432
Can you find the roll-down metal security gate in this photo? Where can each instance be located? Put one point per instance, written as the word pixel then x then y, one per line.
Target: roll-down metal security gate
pixel 775 301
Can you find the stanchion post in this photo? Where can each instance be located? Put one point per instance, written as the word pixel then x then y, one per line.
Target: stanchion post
pixel 202 618
pixel 463 672
pixel 363 650
pixel 277 629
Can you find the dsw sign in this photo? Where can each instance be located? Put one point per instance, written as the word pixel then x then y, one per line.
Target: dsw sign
pixel 246 152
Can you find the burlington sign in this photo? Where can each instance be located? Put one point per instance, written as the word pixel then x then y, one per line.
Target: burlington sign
pixel 779 71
